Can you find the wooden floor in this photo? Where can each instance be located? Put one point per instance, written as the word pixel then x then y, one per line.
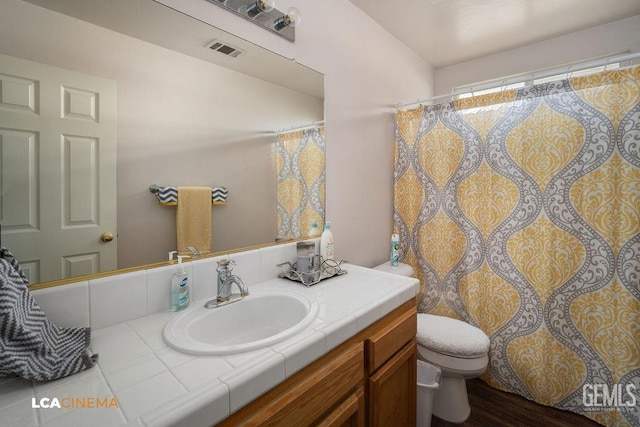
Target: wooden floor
pixel 495 408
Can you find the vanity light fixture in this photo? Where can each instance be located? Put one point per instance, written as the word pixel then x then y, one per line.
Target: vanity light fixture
pixel 264 14
pixel 290 19
pixel 259 6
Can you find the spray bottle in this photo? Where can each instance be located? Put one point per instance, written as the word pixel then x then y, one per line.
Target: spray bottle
pixel 395 249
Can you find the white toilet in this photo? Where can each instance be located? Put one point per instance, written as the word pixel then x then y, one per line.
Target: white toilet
pixel 459 349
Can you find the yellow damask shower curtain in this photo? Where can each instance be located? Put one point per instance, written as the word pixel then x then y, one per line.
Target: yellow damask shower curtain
pixel 520 211
pixel 300 181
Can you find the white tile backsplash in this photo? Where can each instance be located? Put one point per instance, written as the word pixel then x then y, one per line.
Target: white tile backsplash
pixel 271 256
pixel 66 306
pixel 204 278
pixel 247 266
pixel 118 298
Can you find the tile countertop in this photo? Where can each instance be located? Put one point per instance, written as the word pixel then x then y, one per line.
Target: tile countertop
pixel 155 385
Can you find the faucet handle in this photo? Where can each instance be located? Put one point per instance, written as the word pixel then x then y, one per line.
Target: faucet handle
pixel 225 264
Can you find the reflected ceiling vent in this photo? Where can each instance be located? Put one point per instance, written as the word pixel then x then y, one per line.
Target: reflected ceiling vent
pixel 224 48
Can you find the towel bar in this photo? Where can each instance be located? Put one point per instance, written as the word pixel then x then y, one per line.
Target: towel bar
pixel 169 195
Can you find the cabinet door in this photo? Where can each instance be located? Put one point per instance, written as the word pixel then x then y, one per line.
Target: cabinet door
pixel 392 390
pixel 350 413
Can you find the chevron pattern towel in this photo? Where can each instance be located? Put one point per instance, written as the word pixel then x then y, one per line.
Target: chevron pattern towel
pixel 30 345
pixel 169 195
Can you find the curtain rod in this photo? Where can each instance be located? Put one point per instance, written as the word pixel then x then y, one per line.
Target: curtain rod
pixel 303 127
pixel 519 78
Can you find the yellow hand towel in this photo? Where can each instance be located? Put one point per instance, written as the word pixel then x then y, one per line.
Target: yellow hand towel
pixel 193 219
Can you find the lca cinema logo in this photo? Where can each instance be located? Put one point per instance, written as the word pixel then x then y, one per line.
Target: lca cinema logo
pixel 604 397
pixel 74 403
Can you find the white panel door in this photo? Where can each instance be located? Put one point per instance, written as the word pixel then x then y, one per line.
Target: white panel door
pixel 57 169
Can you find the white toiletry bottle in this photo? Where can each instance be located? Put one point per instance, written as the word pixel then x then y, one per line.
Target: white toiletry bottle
pixel 314 229
pixel 326 242
pixel 395 250
pixel 179 286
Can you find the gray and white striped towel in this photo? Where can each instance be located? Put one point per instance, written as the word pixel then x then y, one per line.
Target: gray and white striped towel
pixel 30 345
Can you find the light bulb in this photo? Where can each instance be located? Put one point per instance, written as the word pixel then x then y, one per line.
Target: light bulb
pixel 259 6
pixel 290 19
pixel 294 16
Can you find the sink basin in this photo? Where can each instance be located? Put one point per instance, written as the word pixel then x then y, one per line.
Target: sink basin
pixel 259 320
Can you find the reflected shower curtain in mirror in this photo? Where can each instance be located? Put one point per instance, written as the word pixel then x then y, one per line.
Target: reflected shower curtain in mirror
pixel 520 212
pixel 300 182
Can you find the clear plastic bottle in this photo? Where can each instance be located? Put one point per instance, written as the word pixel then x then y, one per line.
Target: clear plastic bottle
pixel 326 243
pixel 314 229
pixel 179 286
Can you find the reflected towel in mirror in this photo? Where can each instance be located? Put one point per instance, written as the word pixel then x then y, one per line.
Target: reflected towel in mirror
pixel 193 219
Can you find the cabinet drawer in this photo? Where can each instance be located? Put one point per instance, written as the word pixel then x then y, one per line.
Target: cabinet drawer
pixel 309 398
pixel 391 338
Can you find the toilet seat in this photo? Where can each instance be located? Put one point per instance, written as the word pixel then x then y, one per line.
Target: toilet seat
pixel 451 337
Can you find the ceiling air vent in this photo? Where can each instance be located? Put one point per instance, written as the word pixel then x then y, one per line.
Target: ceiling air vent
pixel 224 48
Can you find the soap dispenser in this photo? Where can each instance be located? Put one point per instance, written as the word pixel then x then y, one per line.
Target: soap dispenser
pixel 179 285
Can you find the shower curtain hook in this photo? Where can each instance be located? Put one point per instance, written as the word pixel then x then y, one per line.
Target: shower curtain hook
pixel 569 73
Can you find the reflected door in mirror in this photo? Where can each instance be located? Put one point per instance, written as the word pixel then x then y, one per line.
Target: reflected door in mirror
pixel 58 169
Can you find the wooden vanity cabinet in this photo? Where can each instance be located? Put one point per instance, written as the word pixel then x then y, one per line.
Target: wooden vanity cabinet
pixel 368 380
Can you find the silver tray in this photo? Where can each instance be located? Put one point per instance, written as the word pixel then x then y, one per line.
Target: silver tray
pixel 329 268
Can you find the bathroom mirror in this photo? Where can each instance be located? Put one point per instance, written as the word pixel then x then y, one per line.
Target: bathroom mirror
pixel 192 106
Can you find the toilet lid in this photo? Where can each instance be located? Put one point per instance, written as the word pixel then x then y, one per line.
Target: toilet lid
pixel 451 336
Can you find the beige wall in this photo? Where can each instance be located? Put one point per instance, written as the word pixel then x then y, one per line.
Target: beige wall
pixel 181 121
pixel 612 38
pixel 366 71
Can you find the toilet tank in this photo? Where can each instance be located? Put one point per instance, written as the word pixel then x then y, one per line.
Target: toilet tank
pixel 400 269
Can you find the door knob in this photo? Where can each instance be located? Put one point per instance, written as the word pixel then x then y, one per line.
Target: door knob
pixel 106 237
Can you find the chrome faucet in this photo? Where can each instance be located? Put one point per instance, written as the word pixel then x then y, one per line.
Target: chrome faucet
pixel 225 281
pixel 194 251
